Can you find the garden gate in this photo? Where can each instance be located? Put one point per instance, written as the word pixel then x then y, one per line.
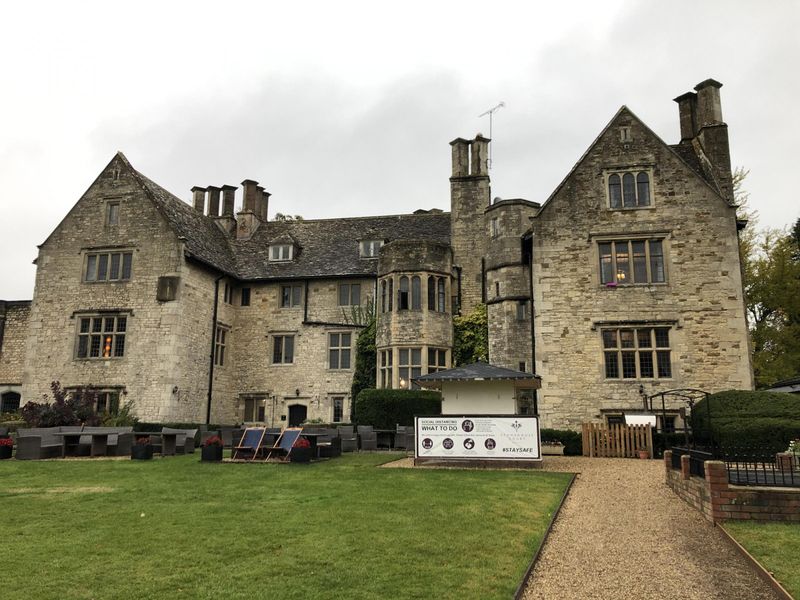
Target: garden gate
pixel 616 441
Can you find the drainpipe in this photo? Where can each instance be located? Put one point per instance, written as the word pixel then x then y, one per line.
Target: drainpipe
pixel 213 341
pixel 533 331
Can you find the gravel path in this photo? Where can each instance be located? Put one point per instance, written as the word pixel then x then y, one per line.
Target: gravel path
pixel 622 533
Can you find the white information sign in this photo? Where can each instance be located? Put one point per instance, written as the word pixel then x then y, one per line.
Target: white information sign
pixel 482 437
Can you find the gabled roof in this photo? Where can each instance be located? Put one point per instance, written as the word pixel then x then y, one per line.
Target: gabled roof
pixel 329 247
pixel 478 371
pixel 683 152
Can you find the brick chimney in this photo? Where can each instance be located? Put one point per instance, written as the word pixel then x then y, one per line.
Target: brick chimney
pixel 213 200
pixel 199 198
pixel 250 195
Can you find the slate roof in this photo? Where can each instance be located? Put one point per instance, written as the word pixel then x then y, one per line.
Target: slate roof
pixel 787 385
pixel 479 371
pixel 325 247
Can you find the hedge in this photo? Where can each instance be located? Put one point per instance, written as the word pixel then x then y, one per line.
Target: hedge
pixel 745 418
pixel 384 409
pixel 572 440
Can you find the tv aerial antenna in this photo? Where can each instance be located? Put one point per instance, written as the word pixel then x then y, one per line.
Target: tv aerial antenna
pixel 491 112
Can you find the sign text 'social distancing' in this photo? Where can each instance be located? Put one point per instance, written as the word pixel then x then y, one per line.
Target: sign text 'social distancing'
pixel 478 436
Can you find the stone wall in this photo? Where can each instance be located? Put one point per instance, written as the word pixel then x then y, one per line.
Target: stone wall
pixel 719 501
pixel 151 365
pixel 701 301
pixel 307 381
pixel 13 330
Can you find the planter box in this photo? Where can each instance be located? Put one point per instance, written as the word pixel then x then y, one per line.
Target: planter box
pixel 141 452
pixel 211 453
pixel 551 450
pixel 300 455
pixel 5 452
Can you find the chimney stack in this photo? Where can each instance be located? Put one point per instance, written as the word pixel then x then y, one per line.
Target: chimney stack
pixel 687 110
pixel 250 195
pixel 709 107
pixel 460 153
pixel 259 202
pixel 199 198
pixel 480 156
pixel 213 201
pixel 228 200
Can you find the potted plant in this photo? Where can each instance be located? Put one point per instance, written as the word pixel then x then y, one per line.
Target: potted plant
pixel 644 453
pixel 142 449
pixel 301 451
pixel 211 451
pixel 6 446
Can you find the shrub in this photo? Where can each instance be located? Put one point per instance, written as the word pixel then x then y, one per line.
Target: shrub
pixel 471 337
pixel 383 409
pixel 66 408
pixel 572 441
pixel 745 418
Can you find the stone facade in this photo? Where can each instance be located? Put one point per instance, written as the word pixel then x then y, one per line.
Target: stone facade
pixel 13 329
pixel 266 313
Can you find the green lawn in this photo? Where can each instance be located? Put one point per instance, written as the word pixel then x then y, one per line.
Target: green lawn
pixel 179 528
pixel 775 545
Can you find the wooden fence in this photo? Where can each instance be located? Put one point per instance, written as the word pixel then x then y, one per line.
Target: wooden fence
pixel 616 441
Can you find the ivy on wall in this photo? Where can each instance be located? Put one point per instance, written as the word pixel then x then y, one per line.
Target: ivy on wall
pixel 471 337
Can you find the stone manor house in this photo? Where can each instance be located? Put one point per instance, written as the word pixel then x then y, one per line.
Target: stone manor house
pixel 625 281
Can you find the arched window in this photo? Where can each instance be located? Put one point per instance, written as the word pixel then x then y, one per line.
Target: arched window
pixel 628 190
pixel 431 293
pixel 615 191
pixel 9 402
pixel 643 189
pixel 383 295
pixel 416 293
pixel 402 294
pixel 441 293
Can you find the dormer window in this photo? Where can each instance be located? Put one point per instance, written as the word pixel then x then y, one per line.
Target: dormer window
pixel 370 248
pixel 280 252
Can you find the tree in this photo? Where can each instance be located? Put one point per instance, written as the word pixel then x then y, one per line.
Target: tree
pixel 773 305
pixel 365 370
pixel 283 217
pixel 471 337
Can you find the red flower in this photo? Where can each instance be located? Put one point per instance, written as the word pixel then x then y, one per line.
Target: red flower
pixel 214 440
pixel 7 441
pixel 302 443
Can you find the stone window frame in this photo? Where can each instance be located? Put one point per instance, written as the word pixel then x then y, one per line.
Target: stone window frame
pixel 115 338
pixel 385 367
pixel 339 348
pixel 281 252
pixel 256 402
pixel 245 295
pixel 410 368
pixel 348 294
pixel 113 206
pixel 635 171
pixel 522 310
pixel 106 399
pixel 97 260
pixel 494 227
pixel 294 299
pixel 440 362
pixel 221 340
pixel 659 236
pixel 657 350
pixel 274 341
pixel 10 401
pixel 370 248
pixel 437 293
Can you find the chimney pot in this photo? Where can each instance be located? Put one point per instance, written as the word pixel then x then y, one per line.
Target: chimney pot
pixel 460 157
pixel 265 205
pixel 709 107
pixel 687 114
pixel 199 198
pixel 480 155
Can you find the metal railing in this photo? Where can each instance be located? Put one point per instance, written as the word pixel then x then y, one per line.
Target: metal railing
pixel 760 467
pixel 697 459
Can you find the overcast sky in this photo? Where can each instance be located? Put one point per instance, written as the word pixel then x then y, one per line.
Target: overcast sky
pixel 347 108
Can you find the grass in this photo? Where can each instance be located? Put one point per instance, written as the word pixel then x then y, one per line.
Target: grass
pixel 775 545
pixel 179 528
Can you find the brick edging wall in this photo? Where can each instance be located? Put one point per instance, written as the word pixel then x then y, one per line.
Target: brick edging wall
pixel 719 501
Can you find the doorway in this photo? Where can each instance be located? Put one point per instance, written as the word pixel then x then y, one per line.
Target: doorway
pixel 297 414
